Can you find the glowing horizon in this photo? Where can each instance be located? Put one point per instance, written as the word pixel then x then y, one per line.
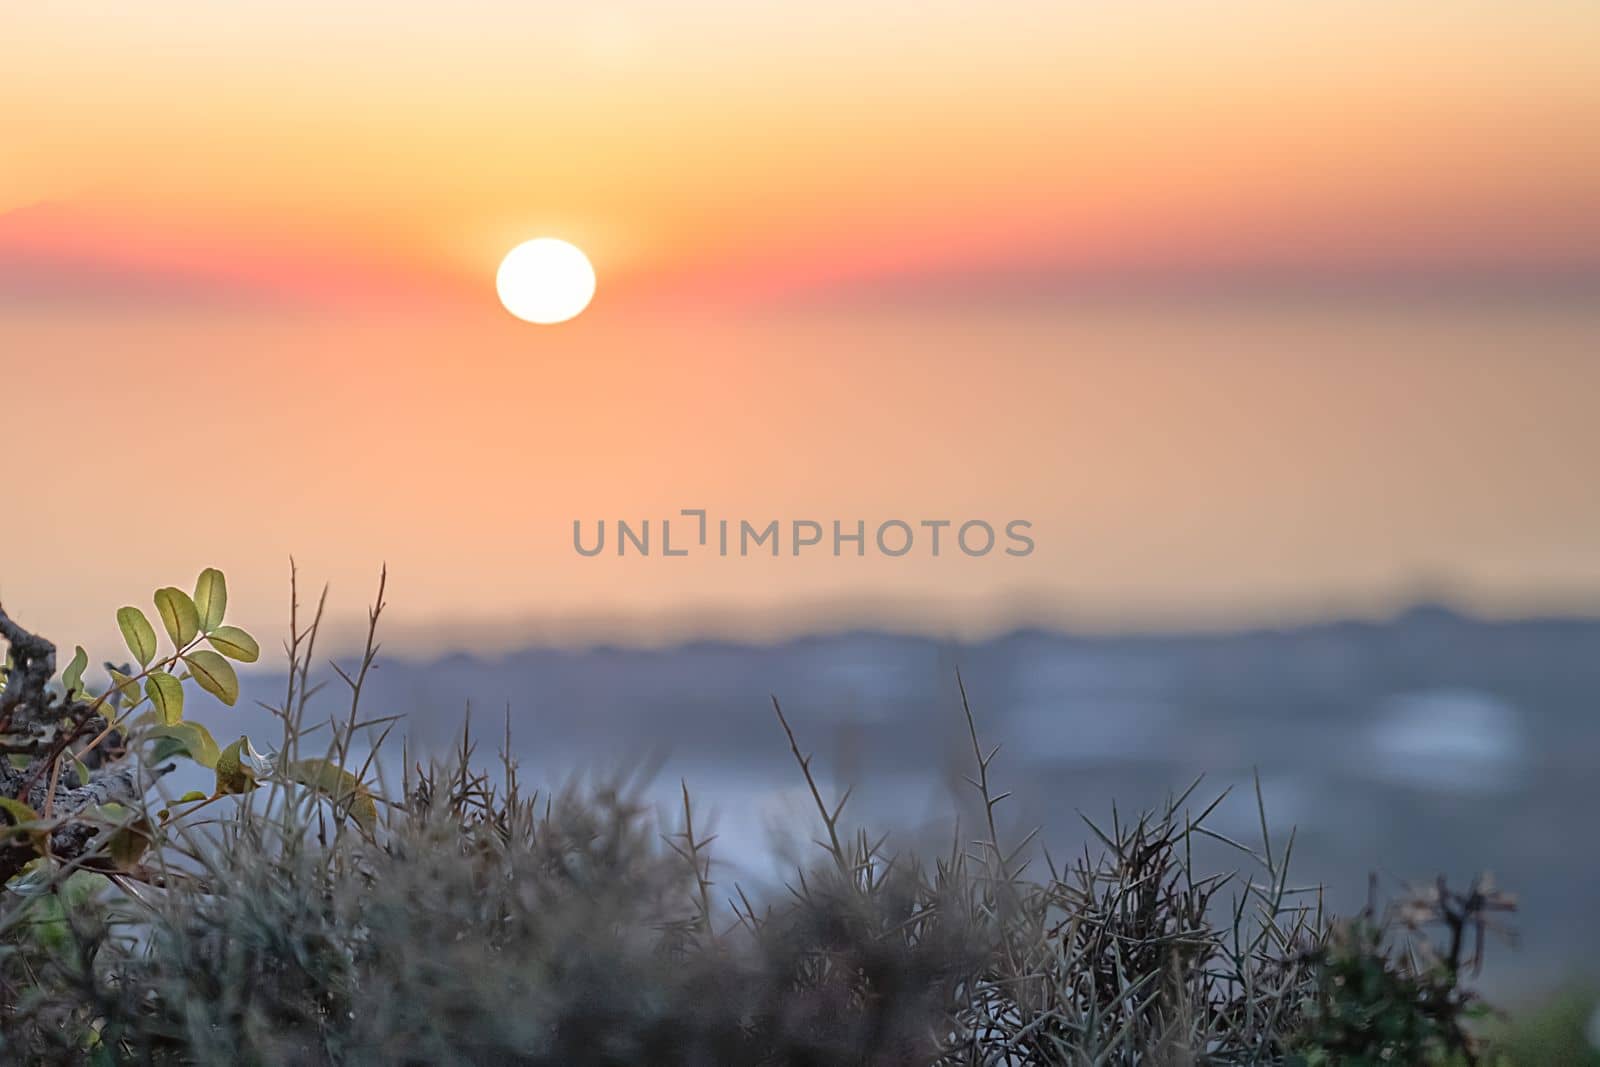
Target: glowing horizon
pixel 833 143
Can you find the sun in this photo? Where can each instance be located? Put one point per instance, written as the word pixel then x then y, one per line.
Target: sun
pixel 545 281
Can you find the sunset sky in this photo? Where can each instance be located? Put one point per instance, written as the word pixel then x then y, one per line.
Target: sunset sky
pixel 1253 309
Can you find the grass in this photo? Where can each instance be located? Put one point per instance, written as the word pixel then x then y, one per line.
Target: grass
pixel 484 921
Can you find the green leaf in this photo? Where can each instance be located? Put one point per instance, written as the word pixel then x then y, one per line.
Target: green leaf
pixel 178 615
pixel 166 694
pixel 214 674
pixel 191 796
pixel 25 823
pixel 82 770
pixel 72 677
pixel 339 786
pixel 235 644
pixel 130 836
pixel 126 687
pixel 20 813
pixel 138 633
pixel 211 598
pixel 364 810
pixel 183 739
pixel 128 845
pixel 238 767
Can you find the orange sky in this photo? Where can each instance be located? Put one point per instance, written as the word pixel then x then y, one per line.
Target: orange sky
pixel 855 261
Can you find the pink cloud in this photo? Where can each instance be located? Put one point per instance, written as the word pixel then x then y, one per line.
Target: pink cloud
pixel 64 254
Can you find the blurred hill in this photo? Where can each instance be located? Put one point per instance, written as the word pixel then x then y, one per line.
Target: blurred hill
pixel 1430 743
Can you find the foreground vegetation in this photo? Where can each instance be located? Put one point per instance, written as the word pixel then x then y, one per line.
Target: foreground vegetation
pixel 297 915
